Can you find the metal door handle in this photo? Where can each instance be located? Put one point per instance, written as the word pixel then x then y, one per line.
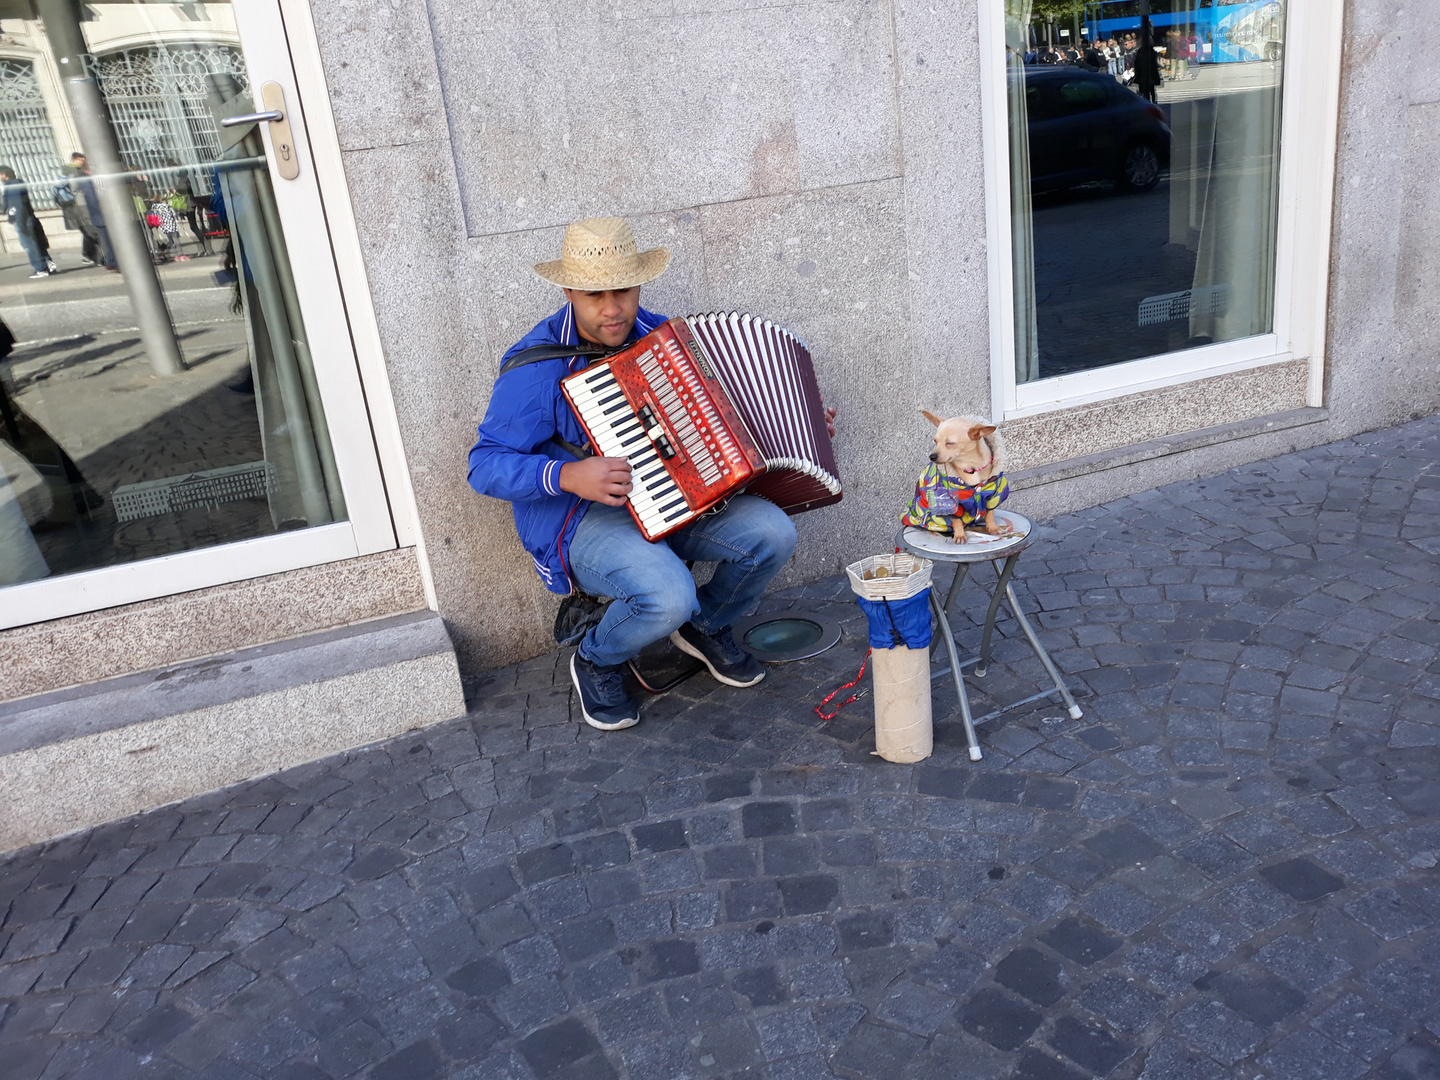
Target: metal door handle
pixel 287 161
pixel 274 116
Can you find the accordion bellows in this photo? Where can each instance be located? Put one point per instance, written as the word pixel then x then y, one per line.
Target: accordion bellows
pixel 770 378
pixel 704 407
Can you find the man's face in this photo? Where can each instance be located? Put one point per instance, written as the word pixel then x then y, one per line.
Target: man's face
pixel 79 160
pixel 605 318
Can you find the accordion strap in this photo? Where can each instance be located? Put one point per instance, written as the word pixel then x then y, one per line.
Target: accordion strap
pixel 536 353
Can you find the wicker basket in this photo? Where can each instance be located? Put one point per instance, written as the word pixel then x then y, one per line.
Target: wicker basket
pixel 906 576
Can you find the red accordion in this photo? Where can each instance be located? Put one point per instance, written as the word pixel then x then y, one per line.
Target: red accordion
pixel 703 407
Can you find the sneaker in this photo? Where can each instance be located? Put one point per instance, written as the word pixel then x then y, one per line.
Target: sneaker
pixel 53 268
pixel 603 699
pixel 40 273
pixel 728 662
pixel 86 262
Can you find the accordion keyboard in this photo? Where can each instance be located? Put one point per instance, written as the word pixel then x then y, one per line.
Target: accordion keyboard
pixel 617 432
pixel 659 405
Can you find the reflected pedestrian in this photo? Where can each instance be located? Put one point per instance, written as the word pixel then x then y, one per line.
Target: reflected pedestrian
pixel 21 214
pixel 72 212
pixel 167 223
pixel 183 202
pixel 1147 64
pixel 91 220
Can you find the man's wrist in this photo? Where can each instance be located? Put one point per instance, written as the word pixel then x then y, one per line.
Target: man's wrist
pixel 565 476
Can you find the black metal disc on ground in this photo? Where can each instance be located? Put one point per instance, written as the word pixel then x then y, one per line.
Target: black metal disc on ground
pixel 781 637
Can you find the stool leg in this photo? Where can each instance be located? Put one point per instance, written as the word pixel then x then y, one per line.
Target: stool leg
pixel 959 678
pixel 1075 712
pixel 961 569
pixel 1000 586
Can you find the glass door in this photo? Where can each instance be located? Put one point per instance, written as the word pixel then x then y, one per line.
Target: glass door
pixel 176 345
pixel 1144 177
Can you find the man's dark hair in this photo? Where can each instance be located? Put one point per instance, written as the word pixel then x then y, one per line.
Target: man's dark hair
pixel 77 154
pixel 6 170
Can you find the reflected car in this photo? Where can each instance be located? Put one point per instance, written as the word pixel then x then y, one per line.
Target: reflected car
pixel 1084 126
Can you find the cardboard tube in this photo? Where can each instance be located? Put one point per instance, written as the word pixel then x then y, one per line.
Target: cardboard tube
pixel 901 677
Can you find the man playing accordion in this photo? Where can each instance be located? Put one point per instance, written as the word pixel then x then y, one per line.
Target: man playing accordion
pixel 570 507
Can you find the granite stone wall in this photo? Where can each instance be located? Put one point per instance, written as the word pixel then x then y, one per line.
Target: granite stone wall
pixel 1383 363
pixel 817 162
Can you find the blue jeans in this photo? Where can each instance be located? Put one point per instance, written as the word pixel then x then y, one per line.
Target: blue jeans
pixel 654 593
pixel 38 258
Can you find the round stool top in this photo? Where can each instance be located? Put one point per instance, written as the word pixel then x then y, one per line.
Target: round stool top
pixel 980 548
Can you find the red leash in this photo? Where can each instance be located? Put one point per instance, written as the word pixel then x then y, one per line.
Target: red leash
pixel 820 709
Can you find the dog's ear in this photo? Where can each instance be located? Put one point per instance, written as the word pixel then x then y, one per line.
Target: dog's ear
pixel 978 432
pixel 931 417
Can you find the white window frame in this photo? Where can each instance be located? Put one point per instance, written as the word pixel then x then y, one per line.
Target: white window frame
pixel 1309 119
pixel 324 249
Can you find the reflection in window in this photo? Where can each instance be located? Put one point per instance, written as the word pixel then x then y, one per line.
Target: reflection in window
pixel 26 138
pixel 1144 168
pixel 159 394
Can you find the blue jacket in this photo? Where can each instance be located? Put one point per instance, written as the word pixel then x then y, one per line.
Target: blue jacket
pixel 515 458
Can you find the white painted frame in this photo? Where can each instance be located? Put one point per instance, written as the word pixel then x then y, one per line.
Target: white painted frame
pixel 354 281
pixel 1310 108
pixel 324 250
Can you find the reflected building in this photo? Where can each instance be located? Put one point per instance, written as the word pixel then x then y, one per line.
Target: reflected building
pixel 171 403
pixel 151 63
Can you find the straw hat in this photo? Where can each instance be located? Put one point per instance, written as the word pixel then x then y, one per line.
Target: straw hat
pixel 600 254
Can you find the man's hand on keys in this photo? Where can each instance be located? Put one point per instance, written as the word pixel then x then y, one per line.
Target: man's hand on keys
pixel 599 479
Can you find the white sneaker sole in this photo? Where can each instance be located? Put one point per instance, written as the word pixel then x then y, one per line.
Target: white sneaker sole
pixel 684 646
pixel 600 725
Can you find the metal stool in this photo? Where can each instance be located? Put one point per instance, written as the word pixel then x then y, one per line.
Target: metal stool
pixel 928 545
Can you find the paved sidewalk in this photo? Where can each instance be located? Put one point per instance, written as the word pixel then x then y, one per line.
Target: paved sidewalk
pixel 1227 869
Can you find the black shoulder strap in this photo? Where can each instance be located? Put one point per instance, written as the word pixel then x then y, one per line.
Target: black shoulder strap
pixel 536 353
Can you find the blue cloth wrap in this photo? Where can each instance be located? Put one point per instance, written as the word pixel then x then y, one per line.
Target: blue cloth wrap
pixel 909 618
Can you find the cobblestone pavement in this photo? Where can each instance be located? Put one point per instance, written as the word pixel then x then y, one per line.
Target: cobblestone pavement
pixel 1227 869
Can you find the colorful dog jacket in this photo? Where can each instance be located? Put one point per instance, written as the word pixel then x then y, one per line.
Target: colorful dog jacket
pixel 939 497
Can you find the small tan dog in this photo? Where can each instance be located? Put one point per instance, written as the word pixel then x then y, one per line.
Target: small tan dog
pixel 965 480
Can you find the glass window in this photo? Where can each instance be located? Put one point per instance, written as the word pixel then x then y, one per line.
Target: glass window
pixel 1144 177
pixel 157 392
